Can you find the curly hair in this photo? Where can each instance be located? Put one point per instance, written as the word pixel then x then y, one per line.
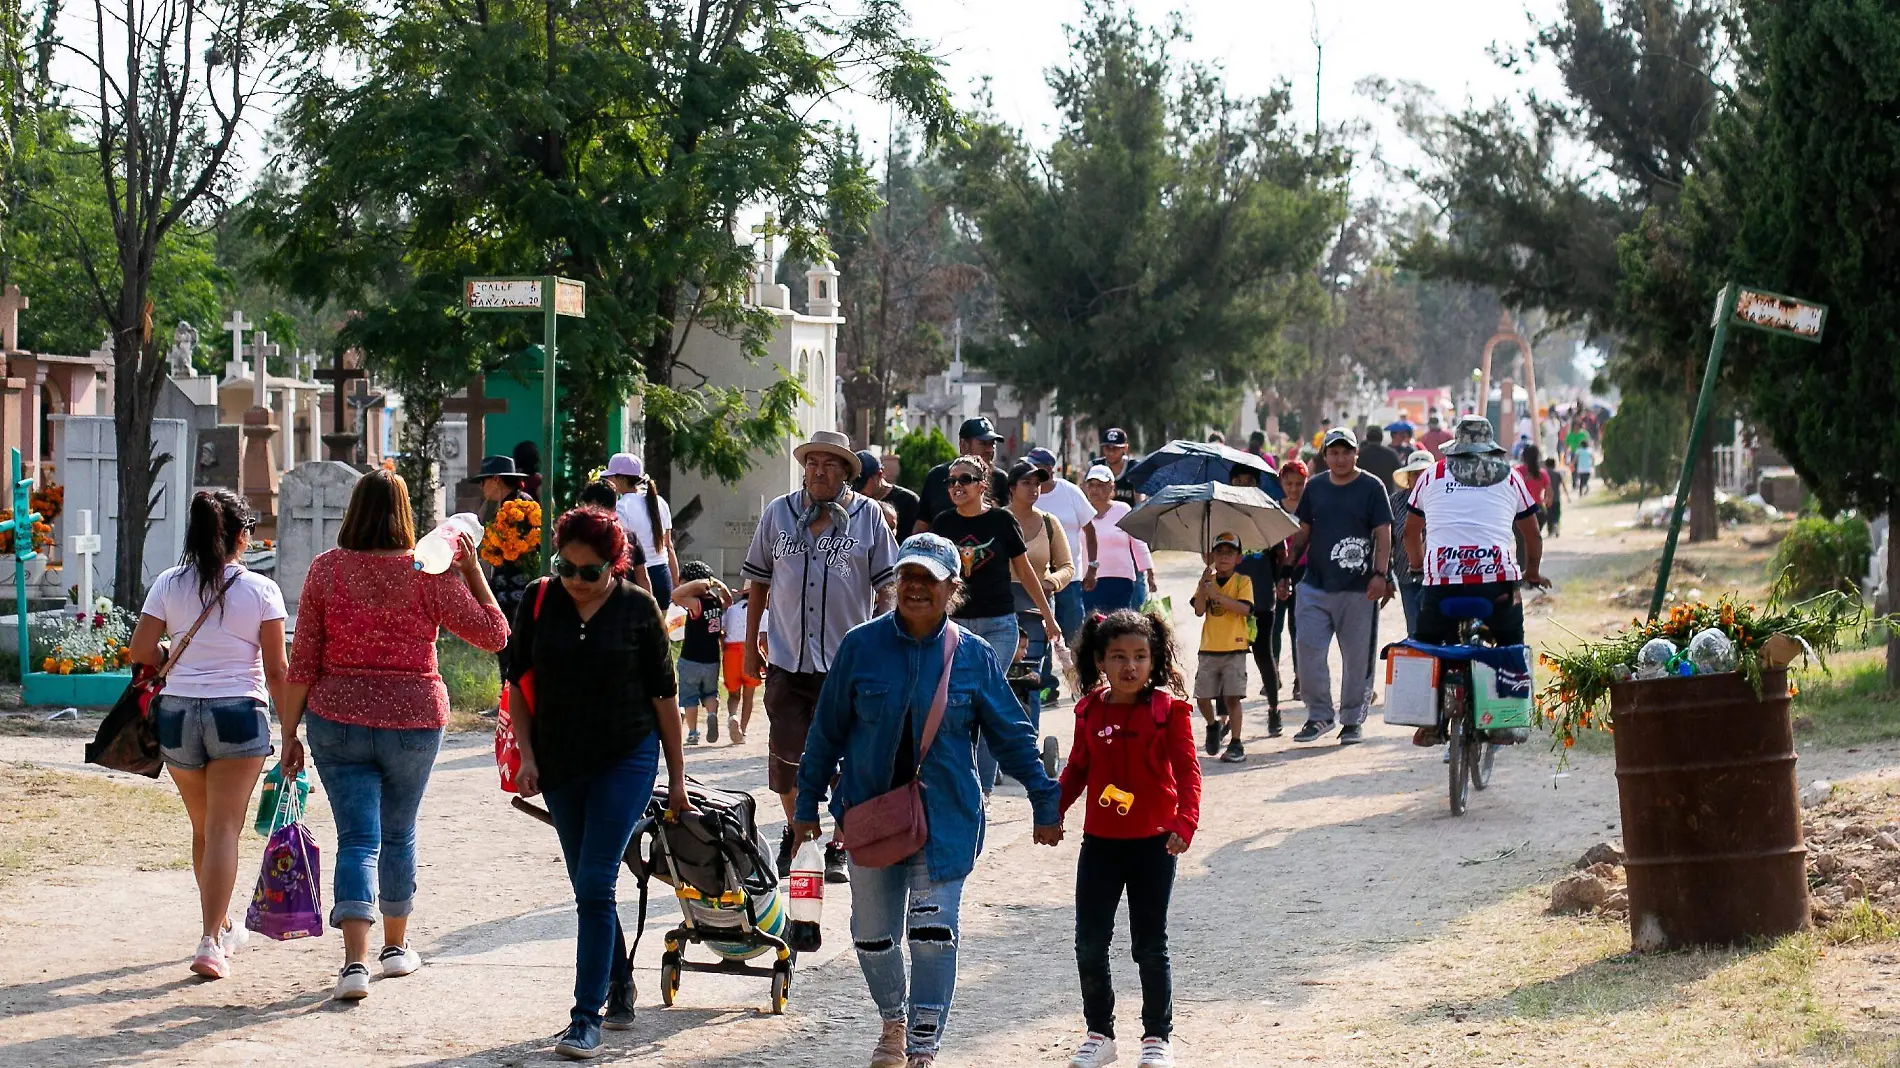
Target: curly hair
pixel 599 530
pixel 1100 630
pixel 695 570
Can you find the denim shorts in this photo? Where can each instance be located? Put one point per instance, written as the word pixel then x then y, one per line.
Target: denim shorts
pixel 699 683
pixel 195 730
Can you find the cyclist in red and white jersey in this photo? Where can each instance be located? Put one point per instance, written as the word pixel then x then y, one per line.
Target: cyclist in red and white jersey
pixel 1473 507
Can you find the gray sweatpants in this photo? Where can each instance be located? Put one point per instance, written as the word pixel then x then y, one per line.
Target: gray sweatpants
pixel 1320 616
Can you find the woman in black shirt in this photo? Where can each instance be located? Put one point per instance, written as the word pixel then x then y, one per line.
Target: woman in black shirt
pixel 603 709
pixel 991 545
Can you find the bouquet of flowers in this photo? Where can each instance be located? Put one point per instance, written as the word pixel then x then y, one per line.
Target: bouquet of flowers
pixel 1751 638
pixel 88 641
pixel 513 539
pixel 42 527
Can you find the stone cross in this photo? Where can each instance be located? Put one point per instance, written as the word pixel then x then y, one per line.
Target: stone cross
pixel 12 303
pixel 238 326
pixel 260 350
pixel 84 545
pixel 475 405
pixel 341 443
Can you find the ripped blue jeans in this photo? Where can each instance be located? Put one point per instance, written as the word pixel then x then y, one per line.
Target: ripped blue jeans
pixel 890 906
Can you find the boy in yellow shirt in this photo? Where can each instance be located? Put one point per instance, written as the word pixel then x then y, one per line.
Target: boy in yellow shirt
pixel 1224 599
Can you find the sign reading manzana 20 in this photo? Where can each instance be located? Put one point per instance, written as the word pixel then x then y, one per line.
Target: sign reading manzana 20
pixel 503 294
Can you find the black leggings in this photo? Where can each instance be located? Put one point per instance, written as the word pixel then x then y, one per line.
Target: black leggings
pixel 1144 868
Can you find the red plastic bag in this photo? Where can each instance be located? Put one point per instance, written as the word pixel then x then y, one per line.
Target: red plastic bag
pixel 507 748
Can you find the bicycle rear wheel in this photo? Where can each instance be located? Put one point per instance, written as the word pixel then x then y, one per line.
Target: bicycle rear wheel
pixel 1459 731
pixel 1483 756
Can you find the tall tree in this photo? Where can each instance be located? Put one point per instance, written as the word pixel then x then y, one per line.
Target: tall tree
pixel 1809 168
pixel 1146 263
pixel 904 270
pixel 1535 198
pixel 169 85
pixel 608 141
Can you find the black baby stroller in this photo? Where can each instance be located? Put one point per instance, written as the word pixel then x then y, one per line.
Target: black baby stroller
pixel 728 890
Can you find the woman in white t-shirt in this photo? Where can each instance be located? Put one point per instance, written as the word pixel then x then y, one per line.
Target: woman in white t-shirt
pixel 648 521
pixel 212 719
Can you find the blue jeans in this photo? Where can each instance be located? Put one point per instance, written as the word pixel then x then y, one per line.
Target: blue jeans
pixel 661 578
pixel 193 731
pixel 1068 608
pixel 901 900
pixel 375 777
pixel 594 817
pixel 1000 633
pixel 1111 594
pixel 1410 594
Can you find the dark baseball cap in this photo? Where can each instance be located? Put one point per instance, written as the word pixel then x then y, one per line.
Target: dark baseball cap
pixel 978 429
pixel 1114 435
pixel 1041 457
pixel 868 467
pixel 1338 435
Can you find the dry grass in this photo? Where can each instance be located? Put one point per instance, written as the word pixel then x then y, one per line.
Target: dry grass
pixel 1512 985
pixel 50 820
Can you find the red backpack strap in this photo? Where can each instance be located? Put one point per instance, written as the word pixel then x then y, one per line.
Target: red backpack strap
pixel 1162 705
pixel 540 594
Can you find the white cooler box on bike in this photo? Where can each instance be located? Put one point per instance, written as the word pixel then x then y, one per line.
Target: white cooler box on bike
pixel 1411 688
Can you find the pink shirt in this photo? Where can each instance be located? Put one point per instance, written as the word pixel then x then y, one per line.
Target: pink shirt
pixel 1120 555
pixel 365 641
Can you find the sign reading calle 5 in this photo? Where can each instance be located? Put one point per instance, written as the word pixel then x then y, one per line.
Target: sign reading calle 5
pixel 502 294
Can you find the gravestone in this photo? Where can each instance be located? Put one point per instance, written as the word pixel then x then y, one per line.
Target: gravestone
pixel 89 457
pixel 312 497
pixel 218 457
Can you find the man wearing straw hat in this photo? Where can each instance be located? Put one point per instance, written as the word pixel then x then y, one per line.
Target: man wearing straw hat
pixel 823 559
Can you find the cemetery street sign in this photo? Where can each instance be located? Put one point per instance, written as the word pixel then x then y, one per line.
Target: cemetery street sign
pixel 1777 314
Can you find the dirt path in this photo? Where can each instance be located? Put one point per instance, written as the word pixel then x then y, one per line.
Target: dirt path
pixel 1313 922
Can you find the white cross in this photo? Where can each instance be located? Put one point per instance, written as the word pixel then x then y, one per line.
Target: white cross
pixel 237 325
pixel 84 545
pixel 260 351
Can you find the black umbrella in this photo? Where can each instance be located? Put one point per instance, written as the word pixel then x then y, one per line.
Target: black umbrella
pixel 1187 463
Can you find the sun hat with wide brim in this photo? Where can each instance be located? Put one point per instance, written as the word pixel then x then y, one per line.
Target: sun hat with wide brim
pixel 496 467
pixel 833 443
pixel 1420 460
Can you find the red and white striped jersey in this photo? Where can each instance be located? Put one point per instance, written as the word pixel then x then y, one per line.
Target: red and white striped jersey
pixel 1468 537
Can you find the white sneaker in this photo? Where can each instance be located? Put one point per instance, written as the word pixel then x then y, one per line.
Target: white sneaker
pixel 398 961
pixel 209 960
pixel 1095 1051
pixel 233 938
pixel 352 983
pixel 1156 1053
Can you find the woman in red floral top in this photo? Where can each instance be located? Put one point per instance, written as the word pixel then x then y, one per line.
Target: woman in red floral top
pixel 363 664
pixel 1134 768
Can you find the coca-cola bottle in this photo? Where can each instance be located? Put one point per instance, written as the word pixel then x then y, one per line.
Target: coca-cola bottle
pixel 806 888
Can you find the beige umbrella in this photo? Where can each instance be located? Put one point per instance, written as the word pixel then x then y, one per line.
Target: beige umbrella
pixel 1186 518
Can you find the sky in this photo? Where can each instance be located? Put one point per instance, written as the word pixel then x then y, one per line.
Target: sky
pixel 1441 44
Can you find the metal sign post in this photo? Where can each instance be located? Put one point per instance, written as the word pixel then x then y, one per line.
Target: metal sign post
pixel 1738 306
pixel 553 297
pixel 21 527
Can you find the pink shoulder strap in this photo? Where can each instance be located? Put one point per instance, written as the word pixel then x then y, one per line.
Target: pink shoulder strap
pixel 942 699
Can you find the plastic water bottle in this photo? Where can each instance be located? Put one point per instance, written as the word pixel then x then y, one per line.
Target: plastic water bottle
pixel 1711 652
pixel 436 550
pixel 807 898
pixel 1652 662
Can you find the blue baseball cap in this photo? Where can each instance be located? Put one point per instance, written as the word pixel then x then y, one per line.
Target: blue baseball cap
pixel 1041 457
pixel 933 553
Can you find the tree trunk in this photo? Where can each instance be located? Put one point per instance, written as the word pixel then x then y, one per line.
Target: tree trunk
pixel 134 399
pixel 1893 589
pixel 1704 524
pixel 657 362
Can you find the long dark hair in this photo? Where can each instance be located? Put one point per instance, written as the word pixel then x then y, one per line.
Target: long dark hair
pixel 218 518
pixel 1098 631
pixel 653 507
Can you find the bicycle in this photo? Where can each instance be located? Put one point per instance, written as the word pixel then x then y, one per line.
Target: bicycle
pixel 1472 757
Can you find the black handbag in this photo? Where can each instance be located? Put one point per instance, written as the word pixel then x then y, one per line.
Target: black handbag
pixel 127 739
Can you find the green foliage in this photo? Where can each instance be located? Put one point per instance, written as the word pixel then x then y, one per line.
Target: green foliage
pixel 616 143
pixel 1643 443
pixel 1146 263
pixel 1809 168
pixel 471 676
pixel 1820 554
pixel 918 452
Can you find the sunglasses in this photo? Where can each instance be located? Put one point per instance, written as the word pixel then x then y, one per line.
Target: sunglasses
pixel 964 480
pixel 585 572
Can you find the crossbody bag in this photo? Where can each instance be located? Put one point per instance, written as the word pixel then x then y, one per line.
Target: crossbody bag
pixel 892 827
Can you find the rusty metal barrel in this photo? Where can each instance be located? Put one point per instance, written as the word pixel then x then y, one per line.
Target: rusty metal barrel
pixel 1705 775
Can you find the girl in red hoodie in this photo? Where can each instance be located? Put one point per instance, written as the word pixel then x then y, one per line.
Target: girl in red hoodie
pixel 1135 767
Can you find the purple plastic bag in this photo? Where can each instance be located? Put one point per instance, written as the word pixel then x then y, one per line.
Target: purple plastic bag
pixel 288 902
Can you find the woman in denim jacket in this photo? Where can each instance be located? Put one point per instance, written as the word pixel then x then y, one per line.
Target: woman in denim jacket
pixel 870 718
